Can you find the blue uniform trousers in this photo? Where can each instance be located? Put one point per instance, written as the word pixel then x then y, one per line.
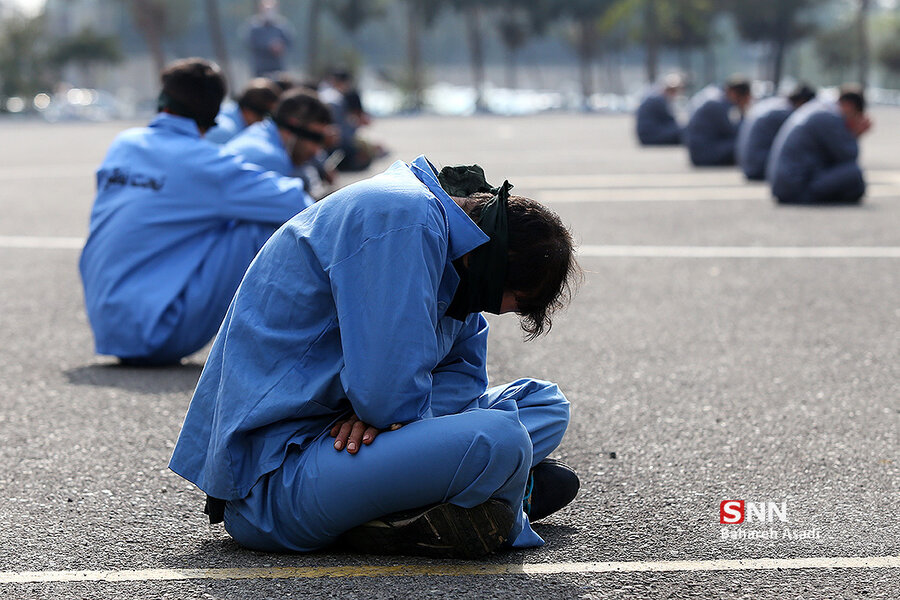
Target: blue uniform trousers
pixel 842 184
pixel 483 452
pixel 194 317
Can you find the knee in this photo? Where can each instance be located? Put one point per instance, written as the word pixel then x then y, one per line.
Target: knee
pixel 544 394
pixel 501 434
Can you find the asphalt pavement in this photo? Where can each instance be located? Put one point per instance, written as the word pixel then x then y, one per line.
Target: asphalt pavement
pixel 698 372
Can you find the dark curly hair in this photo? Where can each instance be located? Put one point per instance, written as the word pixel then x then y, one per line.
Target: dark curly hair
pixel 542 270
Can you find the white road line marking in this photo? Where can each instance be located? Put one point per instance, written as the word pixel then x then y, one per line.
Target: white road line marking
pixel 41 242
pixel 724 178
pixel 453 569
pixel 586 251
pixel 681 194
pixel 739 251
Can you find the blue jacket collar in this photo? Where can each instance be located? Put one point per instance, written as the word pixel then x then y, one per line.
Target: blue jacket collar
pixel 182 125
pixel 465 235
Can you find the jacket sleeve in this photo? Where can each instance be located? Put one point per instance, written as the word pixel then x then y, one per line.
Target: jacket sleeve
pixel 461 377
pixel 385 297
pixel 251 194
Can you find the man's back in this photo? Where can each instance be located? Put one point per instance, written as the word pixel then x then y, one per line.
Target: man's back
pixel 814 138
pixel 261 145
pixel 164 198
pixel 711 134
pixel 656 125
pixel 757 134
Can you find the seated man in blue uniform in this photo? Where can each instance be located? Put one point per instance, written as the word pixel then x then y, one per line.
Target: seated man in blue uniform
pixel 814 158
pixel 253 105
pixel 346 395
pixel 712 130
pixel 656 124
pixel 174 225
pixel 299 127
pixel 758 130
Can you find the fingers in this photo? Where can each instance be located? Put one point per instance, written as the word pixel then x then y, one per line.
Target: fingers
pixel 343 432
pixel 369 435
pixel 355 439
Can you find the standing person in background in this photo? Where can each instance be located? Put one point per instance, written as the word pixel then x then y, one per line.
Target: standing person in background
pixel 712 131
pixel 269 36
pixel 174 225
pixel 253 105
pixel 814 158
pixel 656 124
pixel 758 130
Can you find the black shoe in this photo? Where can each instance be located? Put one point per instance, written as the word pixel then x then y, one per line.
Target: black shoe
pixel 551 485
pixel 439 531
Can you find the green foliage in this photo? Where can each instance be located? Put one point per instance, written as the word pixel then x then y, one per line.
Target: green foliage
pixel 775 20
pixel 22 56
pixel 685 24
pixel 353 14
pixel 84 48
pixel 838 49
pixel 889 53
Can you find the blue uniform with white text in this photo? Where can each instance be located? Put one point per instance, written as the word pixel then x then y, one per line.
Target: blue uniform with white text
pixel 229 122
pixel 711 133
pixel 343 311
pixel 656 125
pixel 261 145
pixel 757 134
pixel 174 225
pixel 814 159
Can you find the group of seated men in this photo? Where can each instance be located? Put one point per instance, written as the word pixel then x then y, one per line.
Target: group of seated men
pixel 336 322
pixel 806 149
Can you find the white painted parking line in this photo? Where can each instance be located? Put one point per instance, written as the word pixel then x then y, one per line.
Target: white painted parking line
pixel 755 193
pixel 453 570
pixel 589 251
pixel 41 242
pixel 585 251
pixel 703 179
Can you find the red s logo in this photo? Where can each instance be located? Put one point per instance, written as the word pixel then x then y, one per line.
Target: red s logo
pixel 731 512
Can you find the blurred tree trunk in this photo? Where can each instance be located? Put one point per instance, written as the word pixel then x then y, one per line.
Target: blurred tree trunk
pixel 415 20
pixel 864 54
pixel 312 39
pixel 214 20
pixel 150 19
pixel 587 43
pixel 476 47
pixel 651 40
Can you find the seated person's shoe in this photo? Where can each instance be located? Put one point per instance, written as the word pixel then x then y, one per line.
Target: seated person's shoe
pixel 551 485
pixel 439 531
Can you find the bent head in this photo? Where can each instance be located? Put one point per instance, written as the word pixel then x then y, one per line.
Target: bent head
pixel 542 273
pixel 801 95
pixel 258 99
pixel 193 88
pixel 852 104
pixel 304 122
pixel 738 92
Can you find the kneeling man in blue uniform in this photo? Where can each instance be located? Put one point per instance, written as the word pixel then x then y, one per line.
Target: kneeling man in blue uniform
pixel 346 395
pixel 297 129
pixel 711 132
pixel 174 225
pixel 814 158
pixel 656 123
pixel 759 129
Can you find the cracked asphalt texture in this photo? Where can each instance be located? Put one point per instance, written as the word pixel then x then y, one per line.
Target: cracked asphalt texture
pixel 765 379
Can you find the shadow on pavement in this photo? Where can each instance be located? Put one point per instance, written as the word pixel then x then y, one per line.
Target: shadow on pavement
pixel 170 379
